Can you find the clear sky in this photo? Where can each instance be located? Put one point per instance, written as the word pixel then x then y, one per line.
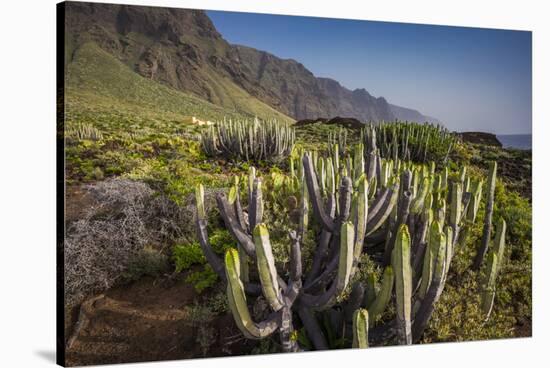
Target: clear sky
pixel 469 78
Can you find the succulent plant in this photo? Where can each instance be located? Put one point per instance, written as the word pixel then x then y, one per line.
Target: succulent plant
pixel 248 140
pixel 487 226
pixel 405 217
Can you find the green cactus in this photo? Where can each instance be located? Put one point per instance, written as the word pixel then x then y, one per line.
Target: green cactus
pixel 489 285
pixel 381 300
pixel 362 205
pixel 401 263
pixel 248 140
pixel 266 267
pixel 487 226
pixel 361 329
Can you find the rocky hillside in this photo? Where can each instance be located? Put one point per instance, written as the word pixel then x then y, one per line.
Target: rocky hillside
pixel 182 49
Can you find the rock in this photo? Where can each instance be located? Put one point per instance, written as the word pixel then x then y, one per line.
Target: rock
pixel 487 139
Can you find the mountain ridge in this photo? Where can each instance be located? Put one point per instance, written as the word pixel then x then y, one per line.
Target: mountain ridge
pixel 182 48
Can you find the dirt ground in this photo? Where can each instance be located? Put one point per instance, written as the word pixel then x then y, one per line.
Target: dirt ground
pixel 148 321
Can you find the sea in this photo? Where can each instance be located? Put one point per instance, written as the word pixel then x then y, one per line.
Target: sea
pixel 517 141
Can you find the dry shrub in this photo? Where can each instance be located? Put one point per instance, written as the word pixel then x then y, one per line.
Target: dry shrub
pixel 125 217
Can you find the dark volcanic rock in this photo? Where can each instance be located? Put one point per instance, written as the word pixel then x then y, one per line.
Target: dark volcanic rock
pixel 350 123
pixel 480 138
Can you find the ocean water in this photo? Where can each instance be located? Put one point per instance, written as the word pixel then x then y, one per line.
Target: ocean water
pixel 518 141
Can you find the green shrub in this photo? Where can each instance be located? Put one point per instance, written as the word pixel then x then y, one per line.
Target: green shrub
pixel 221 240
pixel 202 280
pixel 186 255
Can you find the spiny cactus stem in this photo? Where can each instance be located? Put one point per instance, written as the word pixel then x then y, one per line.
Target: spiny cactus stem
pixel 315 195
pixel 402 216
pixel 485 240
pixel 237 302
pixel 378 218
pixel 427 306
pixel 256 206
pixel 211 257
pixel 344 264
pixel 234 228
pixel 360 329
pixel 313 330
pixel 403 284
pixel 488 292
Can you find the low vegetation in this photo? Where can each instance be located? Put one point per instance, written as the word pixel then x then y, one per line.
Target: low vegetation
pixel 141 169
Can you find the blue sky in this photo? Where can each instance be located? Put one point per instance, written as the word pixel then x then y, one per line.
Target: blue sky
pixel 469 78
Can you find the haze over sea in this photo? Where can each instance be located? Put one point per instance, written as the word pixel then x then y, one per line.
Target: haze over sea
pixel 518 141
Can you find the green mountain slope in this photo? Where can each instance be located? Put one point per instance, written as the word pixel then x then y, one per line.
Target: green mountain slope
pixel 102 90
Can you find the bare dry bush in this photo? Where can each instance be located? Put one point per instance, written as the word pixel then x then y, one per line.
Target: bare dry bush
pixel 125 217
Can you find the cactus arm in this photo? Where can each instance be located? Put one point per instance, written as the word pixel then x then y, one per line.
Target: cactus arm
pixel 256 206
pixel 345 262
pixel 381 216
pixel 238 234
pixel 243 257
pixel 486 238
pixel 402 216
pixel 313 330
pixel 202 233
pixel 449 250
pixel 354 300
pixel 488 291
pixel 295 258
pixel 377 307
pixel 361 212
pixel 378 203
pixel 294 287
pixel 266 267
pixel 401 263
pixel 321 250
pixel 466 198
pixel 455 213
pixel 231 224
pixel 304 210
pixel 429 260
pixel 360 329
pixel 285 331
pixel 371 165
pixel 370 291
pixel 344 201
pixel 212 258
pixel 318 257
pixel 426 308
pixel 500 241
pixel 237 302
pixel 315 195
pixel 418 203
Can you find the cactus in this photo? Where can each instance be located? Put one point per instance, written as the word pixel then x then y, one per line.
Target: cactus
pixel 493 266
pixel 489 285
pixel 401 262
pixel 410 141
pixel 361 329
pixel 381 300
pixel 487 226
pixel 248 140
pixel 361 205
pixel 82 131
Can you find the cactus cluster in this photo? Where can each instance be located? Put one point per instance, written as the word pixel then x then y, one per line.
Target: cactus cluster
pixel 405 217
pixel 82 131
pixel 412 142
pixel 248 140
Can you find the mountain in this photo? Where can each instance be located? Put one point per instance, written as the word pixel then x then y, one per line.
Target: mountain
pixel 182 49
pixel 403 113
